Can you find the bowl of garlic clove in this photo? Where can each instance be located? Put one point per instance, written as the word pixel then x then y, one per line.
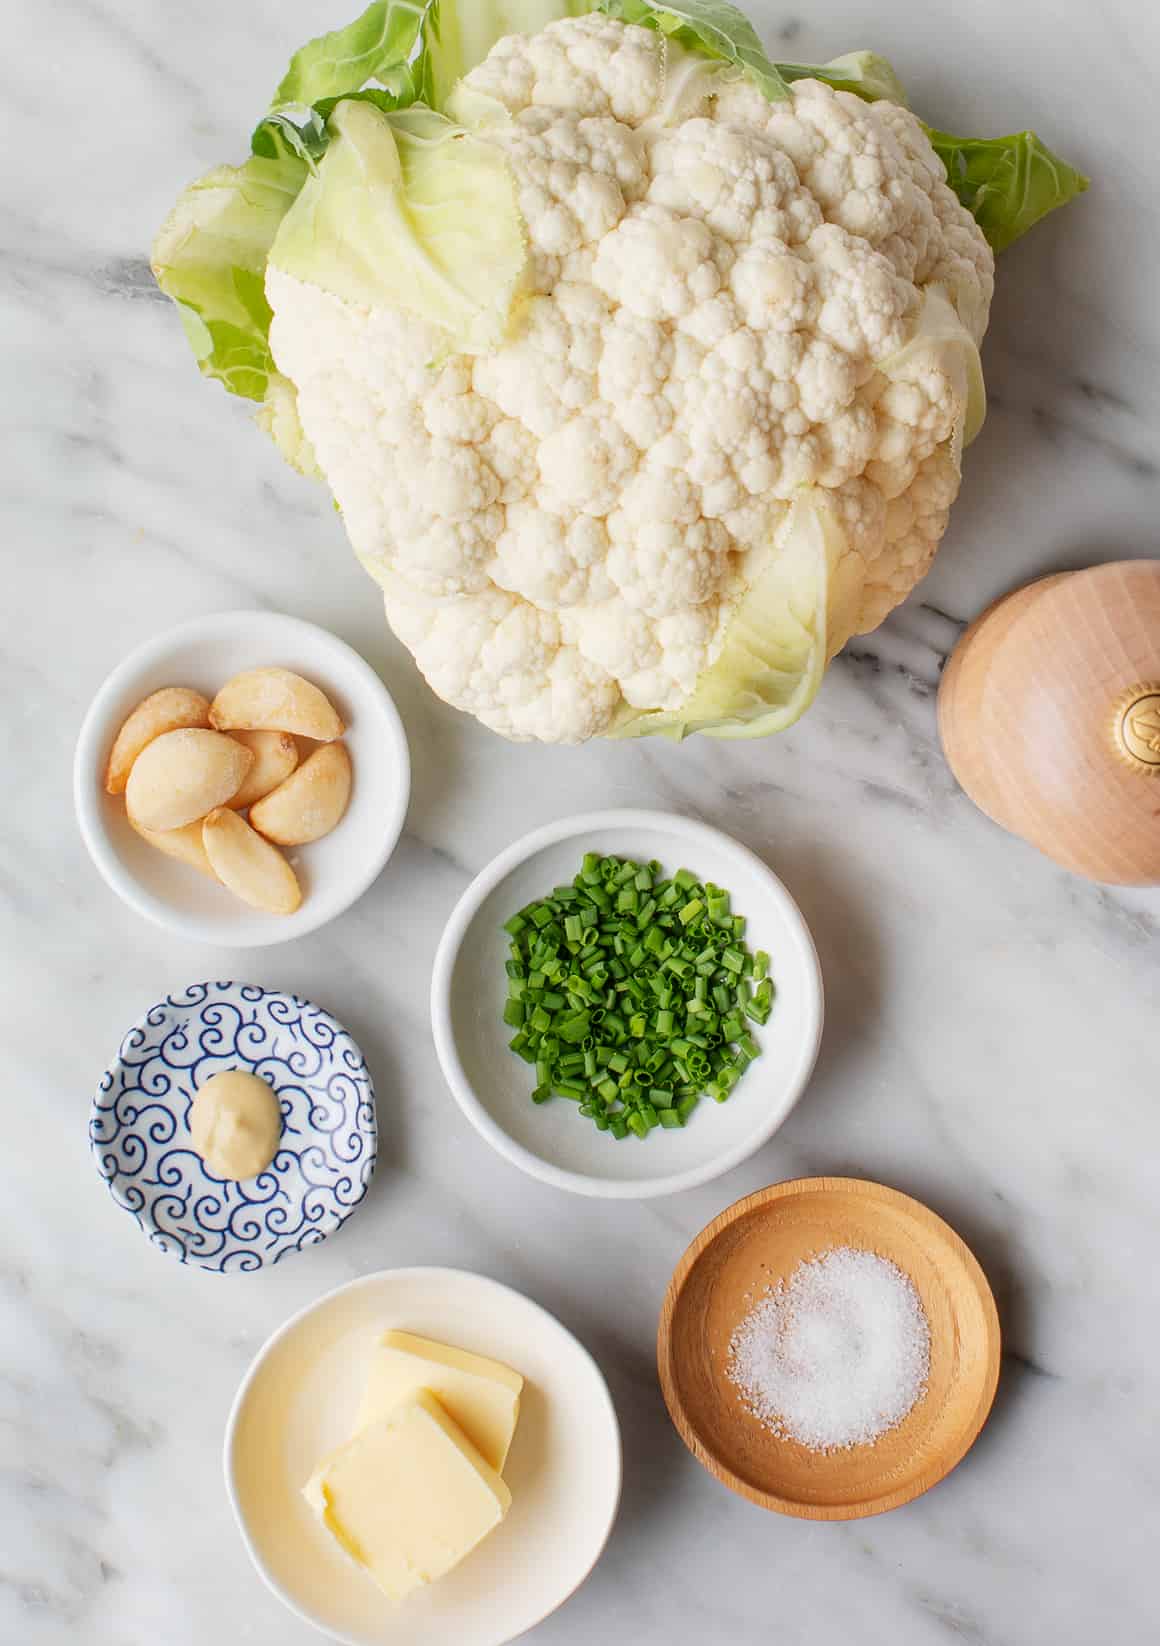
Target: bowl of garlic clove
pixel 241 779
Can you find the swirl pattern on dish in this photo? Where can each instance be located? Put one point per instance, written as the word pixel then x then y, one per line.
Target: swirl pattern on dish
pixel 139 1132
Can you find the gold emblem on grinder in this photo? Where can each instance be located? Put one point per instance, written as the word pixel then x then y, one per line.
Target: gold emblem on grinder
pixel 1136 727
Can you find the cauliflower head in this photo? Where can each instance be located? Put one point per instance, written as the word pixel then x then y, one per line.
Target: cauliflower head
pixel 640 365
pixel 723 303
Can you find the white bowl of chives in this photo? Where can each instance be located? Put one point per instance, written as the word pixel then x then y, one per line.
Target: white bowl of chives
pixel 551 1141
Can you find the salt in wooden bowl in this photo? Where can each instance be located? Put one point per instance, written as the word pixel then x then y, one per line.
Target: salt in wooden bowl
pixel 750 1248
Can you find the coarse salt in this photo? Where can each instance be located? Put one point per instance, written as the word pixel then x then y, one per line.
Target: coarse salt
pixel 836 1356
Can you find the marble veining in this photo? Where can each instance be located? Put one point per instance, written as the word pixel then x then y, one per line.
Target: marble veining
pixel 990 1036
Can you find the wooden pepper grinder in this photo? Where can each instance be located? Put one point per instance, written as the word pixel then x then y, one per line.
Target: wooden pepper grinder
pixel 1049 713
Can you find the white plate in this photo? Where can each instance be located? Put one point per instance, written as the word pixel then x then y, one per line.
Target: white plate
pixel 553 1142
pixel 333 872
pixel 299 1400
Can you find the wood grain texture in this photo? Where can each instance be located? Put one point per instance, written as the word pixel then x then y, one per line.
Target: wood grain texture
pixel 963 680
pixel 1027 710
pixel 761 1240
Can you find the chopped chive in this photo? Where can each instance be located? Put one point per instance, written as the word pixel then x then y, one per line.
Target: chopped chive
pixel 629 994
pixel 573 1029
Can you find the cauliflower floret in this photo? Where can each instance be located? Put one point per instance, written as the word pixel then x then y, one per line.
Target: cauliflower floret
pixel 586 464
pixel 636 363
pixel 740 186
pixel 553 562
pixel 501 659
pixel 566 525
pixel 658 265
pixel 589 66
pixel 574 176
pixel 664 557
pixel 544 376
pixel 914 524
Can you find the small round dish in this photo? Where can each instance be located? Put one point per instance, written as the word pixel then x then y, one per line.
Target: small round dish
pixel 334 871
pixel 491 1085
pixel 140 1137
pixel 760 1241
pixel 298 1402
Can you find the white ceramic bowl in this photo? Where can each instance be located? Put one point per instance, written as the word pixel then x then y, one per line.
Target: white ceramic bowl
pixel 299 1399
pixel 553 1142
pixel 334 871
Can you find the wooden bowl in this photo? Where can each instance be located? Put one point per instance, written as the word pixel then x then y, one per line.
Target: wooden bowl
pixel 1049 714
pixel 963 682
pixel 760 1241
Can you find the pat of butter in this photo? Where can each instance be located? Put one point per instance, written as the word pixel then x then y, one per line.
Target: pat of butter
pixel 483 1396
pixel 409 1496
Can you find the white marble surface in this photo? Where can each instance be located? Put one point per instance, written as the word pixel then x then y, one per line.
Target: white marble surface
pixel 990 1044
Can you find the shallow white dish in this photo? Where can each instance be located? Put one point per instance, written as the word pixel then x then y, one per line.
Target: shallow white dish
pixel 299 1399
pixel 552 1142
pixel 333 872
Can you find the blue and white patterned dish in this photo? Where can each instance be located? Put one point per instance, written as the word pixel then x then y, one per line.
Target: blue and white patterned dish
pixel 140 1137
